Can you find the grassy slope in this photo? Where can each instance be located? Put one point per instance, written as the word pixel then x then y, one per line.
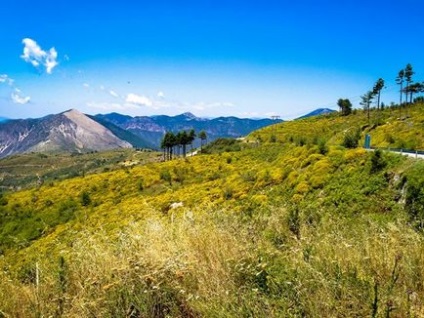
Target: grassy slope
pixel 287 228
pixel 399 128
pixel 23 171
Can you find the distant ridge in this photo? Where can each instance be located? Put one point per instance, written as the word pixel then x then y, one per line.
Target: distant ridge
pixel 318 112
pixel 3 119
pixel 70 131
pixel 153 128
pixel 73 131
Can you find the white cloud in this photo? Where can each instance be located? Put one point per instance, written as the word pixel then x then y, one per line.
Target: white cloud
pixel 138 100
pixel 35 55
pixel 17 99
pixel 161 95
pixel 86 85
pixel 113 93
pixel 4 78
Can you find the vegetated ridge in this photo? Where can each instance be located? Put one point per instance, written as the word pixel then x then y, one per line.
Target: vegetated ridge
pixel 297 220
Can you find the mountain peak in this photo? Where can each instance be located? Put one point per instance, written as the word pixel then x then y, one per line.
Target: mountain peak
pixel 188 115
pixel 317 112
pixel 72 110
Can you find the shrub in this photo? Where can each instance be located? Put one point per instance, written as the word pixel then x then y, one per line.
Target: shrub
pixel 228 193
pixel 351 139
pixel 293 221
pixel 377 161
pixel 165 175
pixel 85 198
pixel 414 200
pixel 322 146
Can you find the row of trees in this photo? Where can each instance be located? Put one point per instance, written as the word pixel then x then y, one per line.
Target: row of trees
pixel 407 89
pixel 171 143
pixel 411 88
pixel 346 106
pixel 368 97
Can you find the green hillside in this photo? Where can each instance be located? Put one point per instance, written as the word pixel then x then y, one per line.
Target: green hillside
pixel 287 223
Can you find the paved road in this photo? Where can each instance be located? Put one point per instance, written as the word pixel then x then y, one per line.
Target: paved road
pixel 408 154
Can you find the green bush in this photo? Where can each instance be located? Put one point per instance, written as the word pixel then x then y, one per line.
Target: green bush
pixel 351 139
pixel 85 198
pixel 165 175
pixel 377 161
pixel 414 200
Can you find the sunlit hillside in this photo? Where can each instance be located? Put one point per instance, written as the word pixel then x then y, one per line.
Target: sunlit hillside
pixel 394 127
pixel 296 220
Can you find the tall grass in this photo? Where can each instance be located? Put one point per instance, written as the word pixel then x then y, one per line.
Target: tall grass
pixel 216 264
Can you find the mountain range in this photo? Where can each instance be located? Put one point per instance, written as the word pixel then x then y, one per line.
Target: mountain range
pixel 73 131
pixel 151 129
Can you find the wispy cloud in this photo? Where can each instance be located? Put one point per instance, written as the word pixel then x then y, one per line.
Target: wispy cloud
pixel 161 95
pixel 39 58
pixel 86 85
pixel 113 93
pixel 138 100
pixel 4 78
pixel 16 95
pixel 18 99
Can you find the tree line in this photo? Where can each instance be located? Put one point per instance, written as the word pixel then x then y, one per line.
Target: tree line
pixel 173 143
pixel 408 88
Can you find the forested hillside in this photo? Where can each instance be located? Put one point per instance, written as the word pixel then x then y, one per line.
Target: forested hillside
pixel 296 220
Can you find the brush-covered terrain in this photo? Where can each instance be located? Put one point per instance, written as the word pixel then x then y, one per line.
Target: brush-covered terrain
pixel 296 220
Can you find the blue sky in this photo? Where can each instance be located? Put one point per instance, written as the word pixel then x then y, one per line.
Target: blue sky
pixel 212 58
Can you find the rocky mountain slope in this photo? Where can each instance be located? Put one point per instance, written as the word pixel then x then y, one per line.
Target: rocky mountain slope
pixel 69 131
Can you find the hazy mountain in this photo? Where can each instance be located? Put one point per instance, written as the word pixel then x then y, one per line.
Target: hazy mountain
pixel 68 131
pixel 317 112
pixel 2 119
pixel 153 128
pixel 134 140
pixel 73 131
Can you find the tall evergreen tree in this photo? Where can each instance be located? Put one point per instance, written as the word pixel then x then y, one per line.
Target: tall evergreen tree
pixel 378 86
pixel 203 137
pixel 191 138
pixel 345 106
pixel 366 100
pixel 399 80
pixel 409 72
pixel 167 144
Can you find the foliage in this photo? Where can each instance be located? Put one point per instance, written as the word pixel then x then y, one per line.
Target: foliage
pixel 222 145
pixel 377 161
pixel 414 200
pixel 283 228
pixel 351 139
pixel 345 106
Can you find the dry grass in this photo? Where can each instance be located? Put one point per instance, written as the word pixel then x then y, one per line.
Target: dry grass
pixel 216 265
